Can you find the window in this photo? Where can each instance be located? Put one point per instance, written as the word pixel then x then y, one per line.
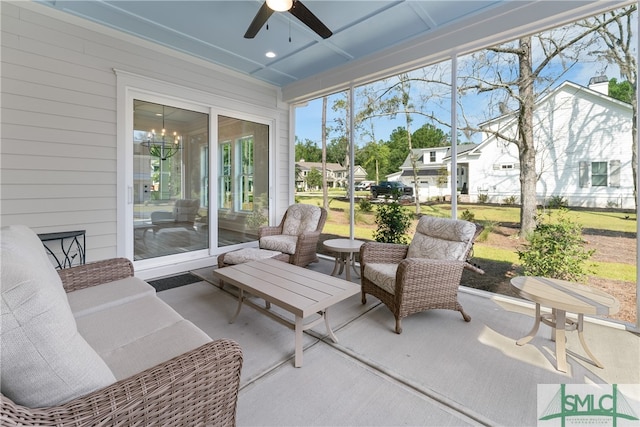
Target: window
pixel 225 175
pixel 598 174
pixel 432 156
pixel 246 167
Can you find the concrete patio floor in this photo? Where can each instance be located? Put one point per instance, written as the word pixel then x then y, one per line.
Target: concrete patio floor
pixel 440 371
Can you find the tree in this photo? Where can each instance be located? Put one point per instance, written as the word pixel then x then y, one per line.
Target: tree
pixel 338 149
pixel 615 29
pixel 513 81
pixel 307 150
pixel 314 178
pixel 399 149
pixel 622 91
pixel 428 136
pixel 374 157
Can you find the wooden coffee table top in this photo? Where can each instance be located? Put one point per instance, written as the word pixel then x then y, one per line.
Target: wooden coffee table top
pixel 298 290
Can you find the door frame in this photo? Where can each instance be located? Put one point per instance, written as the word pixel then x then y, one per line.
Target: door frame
pixel 132 86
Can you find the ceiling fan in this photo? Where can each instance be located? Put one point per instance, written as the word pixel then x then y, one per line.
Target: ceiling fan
pixel 294 7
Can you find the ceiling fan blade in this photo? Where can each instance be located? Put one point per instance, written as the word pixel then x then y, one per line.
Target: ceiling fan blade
pixel 258 21
pixel 301 12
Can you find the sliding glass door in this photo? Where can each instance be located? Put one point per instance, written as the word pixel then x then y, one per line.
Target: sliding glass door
pixel 243 180
pixel 171 176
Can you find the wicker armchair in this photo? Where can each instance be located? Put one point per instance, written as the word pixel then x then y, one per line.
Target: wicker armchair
pixel 297 234
pixel 199 387
pixel 423 275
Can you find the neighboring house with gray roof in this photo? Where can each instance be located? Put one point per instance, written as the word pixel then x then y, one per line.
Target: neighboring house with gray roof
pixel 337 175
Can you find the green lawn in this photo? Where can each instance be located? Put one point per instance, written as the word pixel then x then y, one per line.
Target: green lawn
pixel 338 223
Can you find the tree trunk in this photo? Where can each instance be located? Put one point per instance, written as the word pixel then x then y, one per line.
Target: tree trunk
pixel 526 146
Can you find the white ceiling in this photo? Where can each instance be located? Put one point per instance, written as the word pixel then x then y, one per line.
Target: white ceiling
pixel 214 30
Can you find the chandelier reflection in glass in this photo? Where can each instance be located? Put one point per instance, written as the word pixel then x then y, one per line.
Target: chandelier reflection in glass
pixel 162 145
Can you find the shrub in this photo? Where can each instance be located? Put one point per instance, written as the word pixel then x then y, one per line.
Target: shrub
pixel 393 222
pixel 556 202
pixel 556 250
pixel 467 215
pixel 483 198
pixel 365 205
pixel 511 200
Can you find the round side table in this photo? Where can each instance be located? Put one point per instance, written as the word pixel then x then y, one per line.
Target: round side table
pixel 345 259
pixel 562 297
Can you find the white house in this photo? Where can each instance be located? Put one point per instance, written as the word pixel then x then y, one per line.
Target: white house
pixel 584 142
pixel 433 171
pixel 583 139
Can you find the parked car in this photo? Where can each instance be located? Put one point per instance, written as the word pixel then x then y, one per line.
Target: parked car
pixel 362 186
pixel 395 189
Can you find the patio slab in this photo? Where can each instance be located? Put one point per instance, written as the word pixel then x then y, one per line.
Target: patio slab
pixel 439 371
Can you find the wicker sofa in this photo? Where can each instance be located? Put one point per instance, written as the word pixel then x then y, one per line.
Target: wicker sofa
pixel 93 345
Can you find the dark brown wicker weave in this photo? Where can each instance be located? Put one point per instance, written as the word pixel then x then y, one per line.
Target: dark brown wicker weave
pixel 421 284
pixel 306 244
pixel 197 388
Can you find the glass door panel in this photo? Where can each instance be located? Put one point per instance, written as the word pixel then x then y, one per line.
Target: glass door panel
pixel 171 164
pixel 243 180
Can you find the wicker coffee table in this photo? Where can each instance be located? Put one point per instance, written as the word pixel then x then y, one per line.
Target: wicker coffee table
pixel 302 292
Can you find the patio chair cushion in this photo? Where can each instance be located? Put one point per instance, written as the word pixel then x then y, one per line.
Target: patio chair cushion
pixel 282 243
pixel 441 238
pixel 45 361
pixel 383 275
pixel 248 254
pixel 300 219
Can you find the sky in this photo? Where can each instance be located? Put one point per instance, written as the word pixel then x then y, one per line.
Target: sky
pixel 309 122
pixel 309 117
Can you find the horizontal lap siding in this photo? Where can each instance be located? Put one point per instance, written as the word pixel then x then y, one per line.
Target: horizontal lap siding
pixel 58 159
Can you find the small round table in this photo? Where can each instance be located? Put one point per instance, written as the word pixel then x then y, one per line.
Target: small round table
pixel 344 249
pixel 562 296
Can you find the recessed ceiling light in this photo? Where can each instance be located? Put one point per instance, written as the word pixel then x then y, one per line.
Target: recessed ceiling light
pixel 270 54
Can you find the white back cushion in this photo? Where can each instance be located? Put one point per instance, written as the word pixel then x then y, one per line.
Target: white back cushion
pixel 441 238
pixel 45 361
pixel 300 219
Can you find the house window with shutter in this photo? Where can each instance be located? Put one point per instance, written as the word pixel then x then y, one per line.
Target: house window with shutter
pixel 598 174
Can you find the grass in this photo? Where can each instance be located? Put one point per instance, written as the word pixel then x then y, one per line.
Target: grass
pixel 338 223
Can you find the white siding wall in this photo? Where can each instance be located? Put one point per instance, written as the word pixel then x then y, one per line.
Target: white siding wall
pixel 58 154
pixel 577 126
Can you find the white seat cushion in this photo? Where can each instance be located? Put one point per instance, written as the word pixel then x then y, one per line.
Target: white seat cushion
pixel 138 335
pixel 281 242
pixel 383 275
pixel 248 254
pixel 95 298
pixel 45 361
